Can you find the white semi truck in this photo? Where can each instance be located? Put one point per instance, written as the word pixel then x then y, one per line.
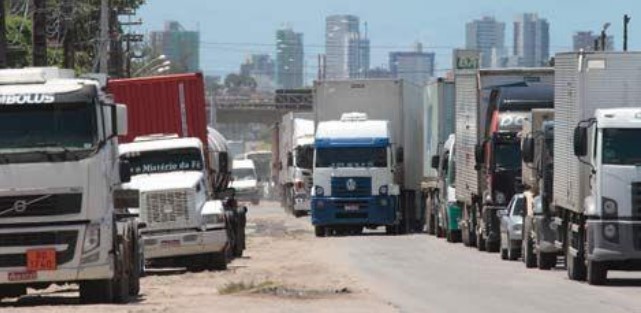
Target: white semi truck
pixel 183 226
pixel 368 166
pixel 597 193
pixel 61 180
pixel 292 153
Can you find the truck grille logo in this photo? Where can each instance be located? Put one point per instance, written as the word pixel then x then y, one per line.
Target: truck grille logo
pixel 20 206
pixel 350 184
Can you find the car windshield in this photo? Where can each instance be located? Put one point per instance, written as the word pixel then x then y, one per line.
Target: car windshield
pixel 68 125
pixel 351 157
pixel 243 174
pixel 519 207
pixel 163 161
pixel 507 155
pixel 617 149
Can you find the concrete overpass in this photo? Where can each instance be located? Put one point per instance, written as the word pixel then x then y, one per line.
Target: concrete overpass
pixel 260 109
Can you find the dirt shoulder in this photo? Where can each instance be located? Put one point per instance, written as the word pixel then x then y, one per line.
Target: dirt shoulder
pixel 285 269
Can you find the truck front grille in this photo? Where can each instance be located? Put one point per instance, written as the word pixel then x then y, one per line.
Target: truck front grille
pixel 636 199
pixel 171 206
pixel 362 186
pixel 68 238
pixel 40 205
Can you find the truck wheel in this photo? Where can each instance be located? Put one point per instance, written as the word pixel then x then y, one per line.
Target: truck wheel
pixel 217 261
pixel 319 231
pixel 528 253
pixel 492 246
pixel 456 235
pixel 241 221
pixel 123 277
pixel 512 254
pixel 480 242
pixel 575 265
pixel 504 255
pixel 597 273
pixel 545 261
pixel 392 229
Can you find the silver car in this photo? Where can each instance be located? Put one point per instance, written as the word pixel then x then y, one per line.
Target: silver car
pixel 511 228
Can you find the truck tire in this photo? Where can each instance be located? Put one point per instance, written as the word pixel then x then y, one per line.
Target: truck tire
pixel 319 231
pixel 545 261
pixel 504 254
pixel 480 242
pixel 597 273
pixel 392 229
pixel 122 281
pixel 528 252
pixel 241 222
pixel 512 253
pixel 137 263
pixel 575 265
pixel 492 246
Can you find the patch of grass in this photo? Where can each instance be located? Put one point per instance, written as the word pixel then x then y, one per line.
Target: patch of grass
pixel 238 287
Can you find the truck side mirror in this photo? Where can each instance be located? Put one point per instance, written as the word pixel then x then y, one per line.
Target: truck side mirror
pixel 125 171
pixel 479 156
pixel 223 161
pixel 290 159
pixel 120 117
pixel 435 161
pixel 527 149
pixel 400 157
pixel 580 141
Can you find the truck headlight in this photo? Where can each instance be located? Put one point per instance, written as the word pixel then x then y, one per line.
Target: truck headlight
pixel 319 191
pixel 92 238
pixel 500 198
pixel 383 190
pixel 610 207
pixel 611 232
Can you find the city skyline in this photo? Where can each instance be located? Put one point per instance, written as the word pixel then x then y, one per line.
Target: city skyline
pixel 224 47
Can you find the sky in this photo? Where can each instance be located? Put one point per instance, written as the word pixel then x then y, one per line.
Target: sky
pixel 231 30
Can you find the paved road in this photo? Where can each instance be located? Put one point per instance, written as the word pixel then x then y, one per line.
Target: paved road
pixel 420 273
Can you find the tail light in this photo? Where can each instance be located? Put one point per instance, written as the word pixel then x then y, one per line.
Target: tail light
pixel 299 185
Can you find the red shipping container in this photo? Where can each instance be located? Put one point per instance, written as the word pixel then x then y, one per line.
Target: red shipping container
pixel 170 104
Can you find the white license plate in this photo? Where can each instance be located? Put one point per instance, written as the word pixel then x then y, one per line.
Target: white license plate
pixel 351 207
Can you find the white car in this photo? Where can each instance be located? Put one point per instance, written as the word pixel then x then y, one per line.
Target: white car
pixel 245 181
pixel 512 227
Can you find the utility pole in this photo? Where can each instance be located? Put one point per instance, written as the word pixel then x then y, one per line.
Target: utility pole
pixel 39 33
pixel 626 21
pixel 104 37
pixel 3 36
pixel 69 55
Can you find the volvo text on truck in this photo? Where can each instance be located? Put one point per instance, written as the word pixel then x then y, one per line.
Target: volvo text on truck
pixel 60 219
pixel 368 165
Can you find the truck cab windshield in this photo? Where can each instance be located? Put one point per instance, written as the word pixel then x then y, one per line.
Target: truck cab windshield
pixel 164 161
pixel 351 157
pixel 617 149
pixel 56 127
pixel 507 155
pixel 305 156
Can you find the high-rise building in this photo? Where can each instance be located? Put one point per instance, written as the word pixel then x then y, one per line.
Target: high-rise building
pixel 585 40
pixel 531 40
pixel 347 51
pixel 261 67
pixel 487 36
pixel 180 46
pixel 289 59
pixel 414 66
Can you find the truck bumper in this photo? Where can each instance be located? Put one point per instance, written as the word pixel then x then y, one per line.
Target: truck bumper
pixel 71 264
pixel 372 211
pixel 621 250
pixel 302 202
pixel 184 243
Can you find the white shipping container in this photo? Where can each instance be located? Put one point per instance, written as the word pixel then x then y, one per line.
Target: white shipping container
pixel 586 82
pixel 439 124
pixel 293 128
pixel 397 101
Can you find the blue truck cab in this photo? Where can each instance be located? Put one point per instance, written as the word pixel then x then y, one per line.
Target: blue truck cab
pixel 354 176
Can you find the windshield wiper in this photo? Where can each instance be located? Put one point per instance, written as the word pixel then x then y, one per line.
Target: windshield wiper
pixel 57 145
